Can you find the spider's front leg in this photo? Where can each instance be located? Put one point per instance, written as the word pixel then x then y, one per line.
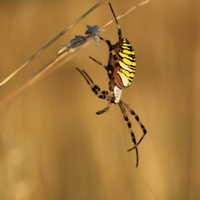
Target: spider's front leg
pixel 130 129
pixel 107 95
pixel 125 103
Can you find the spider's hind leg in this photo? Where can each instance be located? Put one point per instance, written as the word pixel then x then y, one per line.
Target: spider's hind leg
pixel 111 47
pixel 118 26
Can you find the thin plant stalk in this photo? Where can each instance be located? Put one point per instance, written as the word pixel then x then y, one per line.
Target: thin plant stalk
pixel 57 62
pixel 48 69
pixel 125 13
pixel 49 43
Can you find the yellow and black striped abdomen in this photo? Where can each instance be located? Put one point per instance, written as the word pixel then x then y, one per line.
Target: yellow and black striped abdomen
pixel 126 63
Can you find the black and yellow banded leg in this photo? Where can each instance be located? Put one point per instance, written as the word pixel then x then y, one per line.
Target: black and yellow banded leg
pixel 123 110
pixel 95 89
pixel 125 103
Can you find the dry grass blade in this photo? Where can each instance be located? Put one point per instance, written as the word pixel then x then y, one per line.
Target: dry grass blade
pixel 125 13
pixel 57 62
pixel 52 66
pixel 49 43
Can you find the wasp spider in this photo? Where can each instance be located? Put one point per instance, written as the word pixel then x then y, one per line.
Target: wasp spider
pixel 121 63
pixel 121 71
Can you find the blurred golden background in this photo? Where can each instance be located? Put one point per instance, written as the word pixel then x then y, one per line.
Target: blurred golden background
pixel 54 146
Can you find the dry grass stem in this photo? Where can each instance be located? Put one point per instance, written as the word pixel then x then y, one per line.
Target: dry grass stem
pixel 125 13
pixel 48 69
pixel 59 60
pixel 49 43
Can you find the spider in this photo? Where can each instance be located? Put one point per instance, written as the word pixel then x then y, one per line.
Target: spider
pixel 121 63
pixel 121 71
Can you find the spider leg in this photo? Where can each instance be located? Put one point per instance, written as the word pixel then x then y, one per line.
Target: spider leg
pixel 105 66
pixel 111 73
pixel 130 129
pixel 105 109
pixel 118 26
pixel 95 89
pixel 125 103
pixel 111 47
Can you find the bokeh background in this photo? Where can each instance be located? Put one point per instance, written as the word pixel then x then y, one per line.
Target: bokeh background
pixel 54 146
